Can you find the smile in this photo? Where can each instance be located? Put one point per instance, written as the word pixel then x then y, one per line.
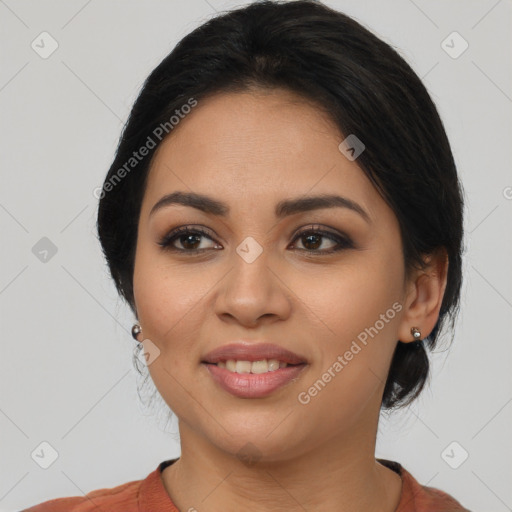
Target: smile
pixel 239 378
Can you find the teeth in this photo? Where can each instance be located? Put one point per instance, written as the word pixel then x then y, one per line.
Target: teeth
pixel 243 367
pixel 262 366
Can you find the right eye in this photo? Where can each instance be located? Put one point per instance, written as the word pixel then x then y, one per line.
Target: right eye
pixel 188 238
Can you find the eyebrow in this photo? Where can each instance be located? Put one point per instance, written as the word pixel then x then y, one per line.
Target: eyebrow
pixel 283 209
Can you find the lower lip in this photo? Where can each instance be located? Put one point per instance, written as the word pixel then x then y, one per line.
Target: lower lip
pixel 253 385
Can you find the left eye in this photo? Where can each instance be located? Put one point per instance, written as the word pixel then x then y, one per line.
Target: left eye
pixel 312 239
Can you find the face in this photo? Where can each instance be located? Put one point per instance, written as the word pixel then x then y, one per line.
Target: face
pixel 325 283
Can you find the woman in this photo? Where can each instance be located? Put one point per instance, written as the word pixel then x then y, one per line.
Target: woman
pixel 284 218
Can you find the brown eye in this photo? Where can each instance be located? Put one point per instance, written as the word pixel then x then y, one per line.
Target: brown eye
pixel 188 238
pixel 312 240
pixel 191 239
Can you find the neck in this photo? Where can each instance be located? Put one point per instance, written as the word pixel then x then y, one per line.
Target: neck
pixel 338 475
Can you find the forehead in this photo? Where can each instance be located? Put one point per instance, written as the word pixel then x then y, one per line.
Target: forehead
pixel 256 146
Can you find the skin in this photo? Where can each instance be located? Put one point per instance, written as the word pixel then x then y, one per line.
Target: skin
pixel 252 150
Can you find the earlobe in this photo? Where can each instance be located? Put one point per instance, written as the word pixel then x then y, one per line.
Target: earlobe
pixel 427 295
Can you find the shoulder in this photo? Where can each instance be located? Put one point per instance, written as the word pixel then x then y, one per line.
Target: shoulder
pixel 120 498
pixel 421 498
pixel 147 495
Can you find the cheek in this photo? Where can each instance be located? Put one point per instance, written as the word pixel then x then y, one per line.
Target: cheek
pixel 352 363
pixel 167 303
pixel 357 310
pixel 343 300
pixel 167 300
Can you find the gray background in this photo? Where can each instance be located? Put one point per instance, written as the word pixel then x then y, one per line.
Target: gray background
pixel 66 376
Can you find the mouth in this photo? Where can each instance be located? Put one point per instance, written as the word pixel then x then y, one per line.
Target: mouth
pixel 243 384
pixel 248 370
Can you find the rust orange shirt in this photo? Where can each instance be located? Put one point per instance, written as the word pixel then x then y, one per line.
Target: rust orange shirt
pixel 149 495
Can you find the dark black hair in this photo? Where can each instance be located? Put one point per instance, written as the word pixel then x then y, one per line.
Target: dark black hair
pixel 368 90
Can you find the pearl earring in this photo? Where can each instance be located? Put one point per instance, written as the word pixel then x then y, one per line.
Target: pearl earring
pixel 136 330
pixel 416 333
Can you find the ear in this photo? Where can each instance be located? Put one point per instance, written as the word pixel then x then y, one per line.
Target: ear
pixel 424 297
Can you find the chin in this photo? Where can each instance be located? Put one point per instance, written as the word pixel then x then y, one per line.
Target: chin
pixel 263 444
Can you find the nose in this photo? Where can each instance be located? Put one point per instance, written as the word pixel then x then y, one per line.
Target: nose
pixel 253 293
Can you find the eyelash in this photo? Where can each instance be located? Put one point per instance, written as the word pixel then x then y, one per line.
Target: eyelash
pixel 344 242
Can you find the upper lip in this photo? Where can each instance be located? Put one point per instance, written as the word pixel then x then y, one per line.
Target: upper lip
pixel 252 352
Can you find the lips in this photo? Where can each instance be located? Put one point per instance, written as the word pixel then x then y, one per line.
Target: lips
pixel 244 351
pixel 249 385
